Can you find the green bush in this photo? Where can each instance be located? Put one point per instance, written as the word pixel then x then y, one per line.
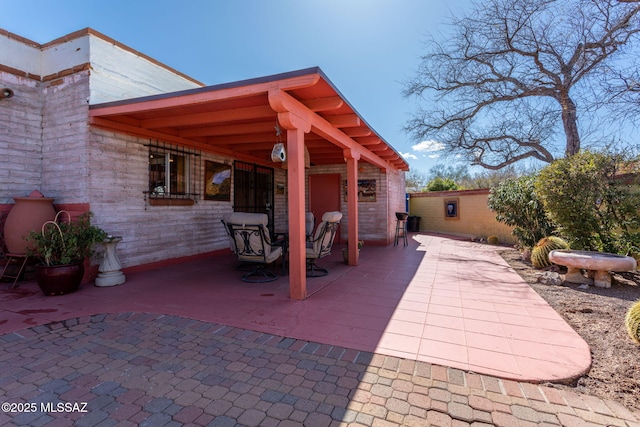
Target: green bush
pixel 442 184
pixel 593 208
pixel 516 205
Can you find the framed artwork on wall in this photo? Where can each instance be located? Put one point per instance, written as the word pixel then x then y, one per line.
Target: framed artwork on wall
pixel 217 181
pixel 366 190
pixel 451 209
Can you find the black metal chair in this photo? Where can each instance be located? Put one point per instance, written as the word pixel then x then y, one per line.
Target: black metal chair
pixel 322 242
pixel 252 244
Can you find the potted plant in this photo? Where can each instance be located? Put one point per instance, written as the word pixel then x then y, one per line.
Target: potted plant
pixel 345 251
pixel 62 247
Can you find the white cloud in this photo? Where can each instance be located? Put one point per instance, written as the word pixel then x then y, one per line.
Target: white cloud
pixel 434 156
pixel 409 156
pixel 428 146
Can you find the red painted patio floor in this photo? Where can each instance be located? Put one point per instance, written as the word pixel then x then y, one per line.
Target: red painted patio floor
pixel 439 300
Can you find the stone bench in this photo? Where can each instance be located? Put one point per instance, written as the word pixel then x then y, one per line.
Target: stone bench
pixel 598 263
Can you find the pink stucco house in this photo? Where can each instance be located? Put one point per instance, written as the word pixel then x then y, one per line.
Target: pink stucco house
pixel 159 157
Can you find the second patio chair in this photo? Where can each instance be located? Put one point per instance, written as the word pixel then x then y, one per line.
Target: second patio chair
pixel 322 242
pixel 253 245
pixel 309 224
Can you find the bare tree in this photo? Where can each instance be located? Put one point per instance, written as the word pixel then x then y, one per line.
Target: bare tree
pixel 507 84
pixel 415 181
pixel 622 92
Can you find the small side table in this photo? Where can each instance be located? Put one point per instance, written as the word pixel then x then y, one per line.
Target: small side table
pixel 109 272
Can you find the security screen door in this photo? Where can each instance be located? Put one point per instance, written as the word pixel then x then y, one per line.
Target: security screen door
pixel 253 189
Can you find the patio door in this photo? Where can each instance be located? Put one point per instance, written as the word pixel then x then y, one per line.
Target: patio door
pixel 324 196
pixel 253 189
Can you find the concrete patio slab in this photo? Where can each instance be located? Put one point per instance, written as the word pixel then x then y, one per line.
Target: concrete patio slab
pixel 439 300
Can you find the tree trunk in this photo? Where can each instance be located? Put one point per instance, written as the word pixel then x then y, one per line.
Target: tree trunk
pixel 570 123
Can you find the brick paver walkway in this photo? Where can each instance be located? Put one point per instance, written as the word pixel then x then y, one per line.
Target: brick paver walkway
pixel 147 369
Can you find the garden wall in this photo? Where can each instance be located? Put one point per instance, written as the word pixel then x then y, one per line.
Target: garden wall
pixel 470 218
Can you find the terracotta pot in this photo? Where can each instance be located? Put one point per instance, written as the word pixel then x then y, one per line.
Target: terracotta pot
pixel 59 279
pixel 27 214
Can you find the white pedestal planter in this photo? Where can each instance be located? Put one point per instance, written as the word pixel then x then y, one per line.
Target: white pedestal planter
pixel 109 272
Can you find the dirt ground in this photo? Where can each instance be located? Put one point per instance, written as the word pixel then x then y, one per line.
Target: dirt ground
pixel 597 314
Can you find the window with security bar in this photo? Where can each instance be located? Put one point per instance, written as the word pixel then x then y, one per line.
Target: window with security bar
pixel 172 173
pixel 168 174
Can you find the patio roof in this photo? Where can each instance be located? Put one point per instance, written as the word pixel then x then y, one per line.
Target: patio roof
pixel 238 119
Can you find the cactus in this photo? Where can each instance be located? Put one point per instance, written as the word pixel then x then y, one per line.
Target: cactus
pixel 632 321
pixel 493 240
pixel 540 252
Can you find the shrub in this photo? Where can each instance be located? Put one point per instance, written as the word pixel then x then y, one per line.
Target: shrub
pixel 493 240
pixel 517 205
pixel 441 184
pixel 592 207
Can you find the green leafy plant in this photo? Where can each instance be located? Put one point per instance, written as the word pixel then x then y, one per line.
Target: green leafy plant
pixel 517 205
pixel 442 184
pixel 540 252
pixel 65 242
pixel 632 321
pixel 593 207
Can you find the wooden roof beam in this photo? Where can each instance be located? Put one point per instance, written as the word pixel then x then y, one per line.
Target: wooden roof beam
pixel 281 101
pixel 324 104
pixel 196 119
pixel 344 120
pixel 369 141
pixel 199 96
pixel 240 129
pixel 249 138
pixel 357 132
pixel 146 133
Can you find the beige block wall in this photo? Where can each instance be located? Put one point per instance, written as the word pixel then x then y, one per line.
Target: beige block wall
pixel 475 219
pixel 119 176
pixel 20 138
pixel 65 164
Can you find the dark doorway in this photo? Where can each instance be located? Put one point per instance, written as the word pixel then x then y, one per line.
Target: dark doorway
pixel 324 196
pixel 253 189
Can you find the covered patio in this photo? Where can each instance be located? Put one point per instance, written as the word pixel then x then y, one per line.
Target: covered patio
pixel 439 300
pixel 243 120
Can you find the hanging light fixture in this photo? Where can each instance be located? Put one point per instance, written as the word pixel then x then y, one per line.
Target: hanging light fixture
pixel 278 153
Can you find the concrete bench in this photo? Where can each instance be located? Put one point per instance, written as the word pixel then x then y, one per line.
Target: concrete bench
pixel 598 263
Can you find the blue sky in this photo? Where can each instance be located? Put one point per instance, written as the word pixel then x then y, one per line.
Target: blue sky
pixel 366 47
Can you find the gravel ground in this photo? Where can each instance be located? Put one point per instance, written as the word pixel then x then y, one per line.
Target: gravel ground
pixel 597 314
